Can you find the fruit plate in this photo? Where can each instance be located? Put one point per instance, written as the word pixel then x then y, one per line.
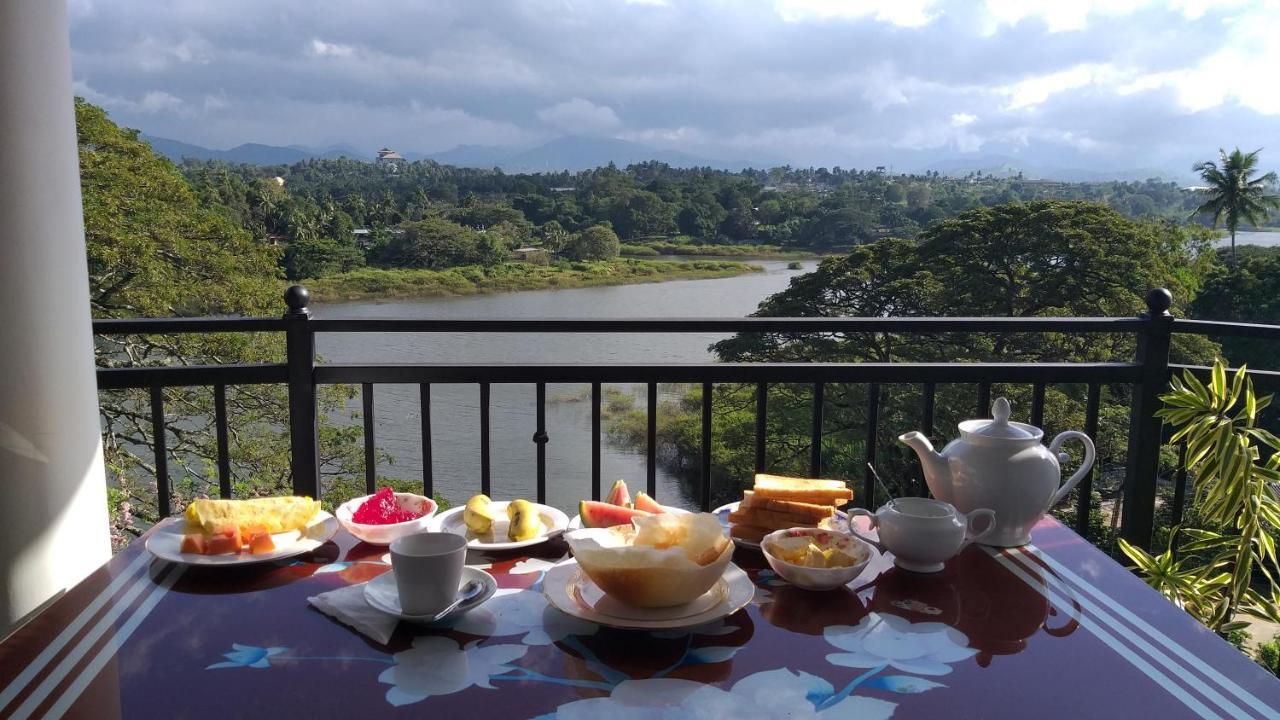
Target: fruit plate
pixel 569 589
pixel 451 520
pixel 576 522
pixel 166 543
pixel 381 594
pixel 722 514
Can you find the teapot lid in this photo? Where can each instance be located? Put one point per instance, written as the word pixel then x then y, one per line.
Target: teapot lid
pixel 999 426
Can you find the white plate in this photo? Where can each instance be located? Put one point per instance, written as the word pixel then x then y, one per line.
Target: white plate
pixel 381 593
pixel 166 543
pixel 570 590
pixel 451 521
pixel 576 522
pixel 722 514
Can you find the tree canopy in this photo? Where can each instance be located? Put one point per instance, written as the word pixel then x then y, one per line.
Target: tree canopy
pixel 595 243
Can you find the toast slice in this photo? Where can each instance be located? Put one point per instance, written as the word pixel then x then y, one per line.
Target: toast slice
pixel 770 519
pixel 800 509
pixel 750 533
pixel 806 490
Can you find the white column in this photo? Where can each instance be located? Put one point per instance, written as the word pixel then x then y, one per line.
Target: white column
pixel 53 507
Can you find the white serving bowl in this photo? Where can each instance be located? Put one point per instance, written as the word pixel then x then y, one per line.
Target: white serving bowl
pixel 811 578
pixel 384 534
pixel 645 575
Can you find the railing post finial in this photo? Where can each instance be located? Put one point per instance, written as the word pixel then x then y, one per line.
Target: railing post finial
pixel 1159 300
pixel 297 298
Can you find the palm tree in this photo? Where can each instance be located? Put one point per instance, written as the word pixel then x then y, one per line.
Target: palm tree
pixel 1232 194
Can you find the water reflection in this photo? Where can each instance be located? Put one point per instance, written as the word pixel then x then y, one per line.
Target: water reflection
pixel 995 610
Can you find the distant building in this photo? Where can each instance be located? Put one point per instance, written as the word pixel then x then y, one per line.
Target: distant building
pixel 390 159
pixel 362 237
pixel 563 189
pixel 531 254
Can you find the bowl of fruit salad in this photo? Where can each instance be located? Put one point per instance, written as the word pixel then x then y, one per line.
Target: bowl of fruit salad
pixel 815 559
pixel 386 515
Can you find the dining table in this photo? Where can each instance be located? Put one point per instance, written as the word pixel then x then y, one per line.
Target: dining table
pixel 1053 629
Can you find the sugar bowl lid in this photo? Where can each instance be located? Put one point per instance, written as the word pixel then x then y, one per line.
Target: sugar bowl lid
pixel 999 427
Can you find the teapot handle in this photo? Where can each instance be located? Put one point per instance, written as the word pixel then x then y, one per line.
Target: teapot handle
pixel 1087 464
pixel 853 529
pixel 969 534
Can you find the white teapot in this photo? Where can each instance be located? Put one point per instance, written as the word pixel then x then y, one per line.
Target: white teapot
pixel 1000 465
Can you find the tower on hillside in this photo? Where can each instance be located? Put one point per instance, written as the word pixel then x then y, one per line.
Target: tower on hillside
pixel 390 159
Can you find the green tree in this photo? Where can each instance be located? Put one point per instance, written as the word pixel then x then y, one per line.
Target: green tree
pixel 154 250
pixel 700 217
pixel 1248 292
pixel 1233 194
pixel 436 244
pixel 641 213
pixel 595 243
pixel 554 236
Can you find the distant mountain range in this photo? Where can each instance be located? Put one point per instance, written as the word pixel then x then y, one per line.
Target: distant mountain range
pixel 250 153
pixel 573 153
pixel 580 152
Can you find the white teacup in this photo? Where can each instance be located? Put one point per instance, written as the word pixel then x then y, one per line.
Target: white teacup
pixel 922 533
pixel 428 568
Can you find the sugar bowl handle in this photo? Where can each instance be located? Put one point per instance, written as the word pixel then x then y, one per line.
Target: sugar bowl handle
pixel 853 529
pixel 1085 465
pixel 969 524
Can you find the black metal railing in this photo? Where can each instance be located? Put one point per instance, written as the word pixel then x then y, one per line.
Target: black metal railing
pixel 1148 375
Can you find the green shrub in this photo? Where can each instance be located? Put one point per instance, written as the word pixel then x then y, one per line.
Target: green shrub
pixel 1269 655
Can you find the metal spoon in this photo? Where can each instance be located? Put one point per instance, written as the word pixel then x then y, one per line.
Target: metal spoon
pixel 468 591
pixel 876 475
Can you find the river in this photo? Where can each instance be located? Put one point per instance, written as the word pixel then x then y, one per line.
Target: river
pixel 455 408
pixel 1264 239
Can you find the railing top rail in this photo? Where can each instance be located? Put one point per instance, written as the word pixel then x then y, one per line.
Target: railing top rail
pixel 1262 379
pixel 728 325
pixel 1218 327
pixel 191 375
pixel 164 326
pixel 729 372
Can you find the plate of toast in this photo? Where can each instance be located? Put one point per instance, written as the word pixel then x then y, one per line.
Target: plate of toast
pixel 776 502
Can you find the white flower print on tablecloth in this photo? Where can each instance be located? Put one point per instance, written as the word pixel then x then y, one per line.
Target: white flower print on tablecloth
pixel 926 648
pixel 781 694
pixel 439 666
pixel 522 612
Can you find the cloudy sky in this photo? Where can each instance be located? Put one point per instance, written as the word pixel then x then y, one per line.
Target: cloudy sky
pixel 1072 83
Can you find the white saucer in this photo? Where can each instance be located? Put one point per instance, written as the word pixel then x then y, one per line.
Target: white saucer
pixel 569 590
pixel 722 514
pixel 576 522
pixel 382 594
pixel 166 543
pixel 451 520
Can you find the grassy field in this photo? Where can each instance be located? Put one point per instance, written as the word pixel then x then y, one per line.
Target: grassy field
pixel 369 283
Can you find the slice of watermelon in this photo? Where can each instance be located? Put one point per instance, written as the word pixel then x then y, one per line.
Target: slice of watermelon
pixel 596 514
pixel 618 494
pixel 647 504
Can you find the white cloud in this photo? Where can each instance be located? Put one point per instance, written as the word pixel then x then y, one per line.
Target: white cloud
pixel 158 101
pixel 1035 90
pixel 320 48
pixel 962 119
pixel 905 13
pixel 580 116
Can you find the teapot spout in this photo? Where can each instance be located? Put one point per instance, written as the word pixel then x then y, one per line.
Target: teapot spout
pixel 936 471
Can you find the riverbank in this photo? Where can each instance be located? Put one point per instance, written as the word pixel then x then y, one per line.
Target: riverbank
pixel 660 248
pixel 375 283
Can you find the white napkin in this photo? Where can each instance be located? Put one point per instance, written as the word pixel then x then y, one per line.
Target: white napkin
pixel 348 606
